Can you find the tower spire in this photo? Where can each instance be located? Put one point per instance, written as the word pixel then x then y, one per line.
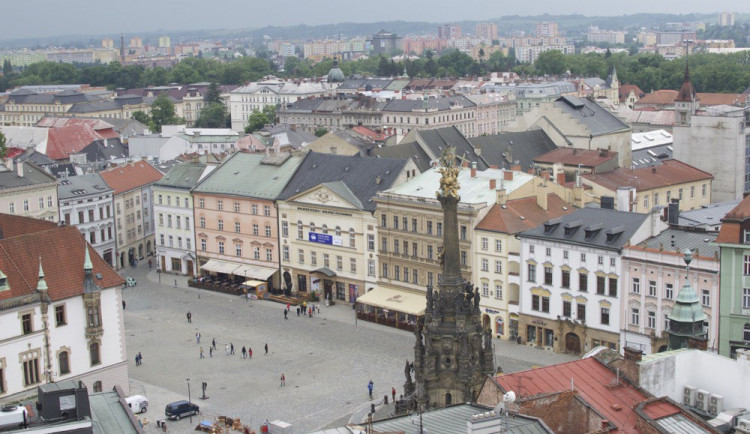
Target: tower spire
pixel 87 265
pixel 42 284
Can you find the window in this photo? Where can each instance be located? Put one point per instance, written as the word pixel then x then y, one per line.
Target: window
pixel 463 232
pixel 339 262
pixel 395 222
pixel 300 230
pixel 285 252
pixel 237 227
pixel 254 209
pixel 652 288
pixel 745 333
pixel 703 190
pixel 300 256
pixel 485 243
pixel 535 302
pixel 313 258
pixel 548 251
pixel 583 282
pixel 269 255
pixel 498 245
pixel 636 285
pixel 635 316
pixel 406 274
pixel 396 272
pixel 384 244
pixel 498 267
pixel 97 386
pixel 385 271
pixel 63 363
pixel 371 242
pixel 705 297
pixel 324 229
pixel 338 231
pixel 669 291
pixel 238 249
pixel 201 202
pixel 415 275
pixel 600 260
pixel 746 265
pixel 221 247
pixel 268 230
pixel 383 219
pixel 600 285
pixel 645 202
pixel 370 267
pixel 12 210
pixel 463 258
pixel 581 312
pixel 485 289
pixel 429 228
pixel 679 194
pixel 583 257
pixel 326 261
pixel 439 229
pixel 396 245
pixel 565 254
pixel 60 319
pixel 352 265
pixel 236 207
pixel 567 306
pixel 94 353
pixel 352 240
pixel 284 229
pixel 565 279
pixel 612 262
pixel 429 252
pixel 220 204
pixel 605 316
pixel 405 223
pixel 531 273
pixel 256 230
pixel 545 304
pixel 414 225
pixel 692 192
pixel 485 264
pixel 613 287
pixel 651 320
pixel 221 224
pixel 430 278
pixel 26 323
pixel 188 244
pixel 31 369
pixel 548 275
pixel 499 291
pixel 202 222
pixel 186 202
pixel 203 244
pixel 531 249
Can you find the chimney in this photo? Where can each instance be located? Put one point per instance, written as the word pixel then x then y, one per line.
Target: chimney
pixel 493 166
pixel 19 168
pixel 473 169
pixel 561 178
pixel 673 212
pixel 516 167
pixel 698 344
pixel 465 164
pixel 501 197
pixel 293 127
pixel 378 180
pixel 507 175
pixel 493 184
pixel 633 354
pixel 541 198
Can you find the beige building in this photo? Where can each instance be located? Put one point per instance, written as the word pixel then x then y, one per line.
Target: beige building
pixel 639 190
pixel 327 223
pixel 134 220
pixel 27 190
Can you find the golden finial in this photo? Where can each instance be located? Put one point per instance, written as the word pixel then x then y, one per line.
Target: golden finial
pixel 449 179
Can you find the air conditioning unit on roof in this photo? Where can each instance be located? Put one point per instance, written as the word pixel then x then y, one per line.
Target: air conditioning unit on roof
pixel 715 404
pixel 701 400
pixel 743 426
pixel 688 395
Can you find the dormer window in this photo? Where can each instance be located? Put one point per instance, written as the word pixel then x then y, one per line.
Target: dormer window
pixel 614 233
pixel 551 225
pixel 572 227
pixel 747 237
pixel 592 231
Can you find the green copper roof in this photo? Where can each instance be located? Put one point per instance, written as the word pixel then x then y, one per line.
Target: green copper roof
pixel 184 175
pixel 251 175
pixel 687 307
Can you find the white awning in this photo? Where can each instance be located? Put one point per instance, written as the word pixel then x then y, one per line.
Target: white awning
pixel 218 266
pixel 395 300
pixel 254 271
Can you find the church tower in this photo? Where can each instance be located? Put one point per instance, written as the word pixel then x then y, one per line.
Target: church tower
pixel 453 352
pixel 686 319
pixel 686 102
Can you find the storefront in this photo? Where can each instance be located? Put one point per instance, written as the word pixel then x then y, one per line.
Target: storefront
pixel 392 307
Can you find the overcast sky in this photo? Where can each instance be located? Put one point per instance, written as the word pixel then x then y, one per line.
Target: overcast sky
pixel 32 18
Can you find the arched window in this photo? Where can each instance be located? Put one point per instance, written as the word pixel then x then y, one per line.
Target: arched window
pixel 325 229
pixel 94 353
pixel 97 386
pixel 448 398
pixel 63 361
pixel 312 227
pixel 338 230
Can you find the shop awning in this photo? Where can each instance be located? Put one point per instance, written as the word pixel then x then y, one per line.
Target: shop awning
pixel 254 271
pixel 324 271
pixel 254 283
pixel 218 266
pixel 395 300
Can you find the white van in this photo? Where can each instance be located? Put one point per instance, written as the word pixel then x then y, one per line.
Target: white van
pixel 137 403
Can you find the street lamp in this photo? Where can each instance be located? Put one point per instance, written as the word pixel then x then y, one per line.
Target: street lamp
pixel 190 404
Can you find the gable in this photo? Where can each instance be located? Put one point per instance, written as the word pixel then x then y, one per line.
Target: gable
pixel 323 196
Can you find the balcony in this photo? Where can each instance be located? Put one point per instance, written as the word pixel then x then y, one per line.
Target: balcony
pixel 514 278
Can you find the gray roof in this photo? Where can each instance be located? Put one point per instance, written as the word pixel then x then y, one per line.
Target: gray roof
pixel 680 239
pixel 32 175
pixel 352 177
pixel 452 420
pixel 596 118
pixel 707 215
pixel 250 175
pixel 440 138
pixel 104 150
pixel 304 105
pixel 109 415
pixel 77 186
pixel 441 103
pixel 36 157
pixel 184 175
pixel 524 148
pixel 594 227
pixel 404 151
pixel 652 156
pixel 361 83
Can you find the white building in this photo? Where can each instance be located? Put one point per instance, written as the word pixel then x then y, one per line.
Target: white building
pixel 270 92
pixel 86 202
pixel 60 306
pixel 173 210
pixel 571 278
pixel 27 190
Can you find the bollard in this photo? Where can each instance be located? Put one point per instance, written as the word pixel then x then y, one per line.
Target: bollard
pixel 372 408
pixel 385 399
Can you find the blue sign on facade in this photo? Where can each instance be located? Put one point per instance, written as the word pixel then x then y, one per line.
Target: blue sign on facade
pixel 320 238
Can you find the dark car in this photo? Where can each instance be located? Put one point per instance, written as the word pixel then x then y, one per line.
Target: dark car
pixel 179 409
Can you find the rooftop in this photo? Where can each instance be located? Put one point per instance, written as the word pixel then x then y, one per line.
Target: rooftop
pixel 594 117
pixel 77 186
pixel 510 149
pixel 184 175
pixel 131 175
pixel 575 156
pixel 32 175
pixel 701 243
pixel 523 214
pixel 707 215
pixel 670 172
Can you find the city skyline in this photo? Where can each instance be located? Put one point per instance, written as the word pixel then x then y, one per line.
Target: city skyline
pixel 55 19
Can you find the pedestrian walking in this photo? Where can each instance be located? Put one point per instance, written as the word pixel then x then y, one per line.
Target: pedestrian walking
pixel 197 337
pixel 150 262
pixel 317 306
pixel 189 317
pixel 370 386
pixel 297 311
pixel 288 305
pixel 244 352
pixel 137 362
pixel 201 352
pixel 123 305
pixel 211 352
pixel 231 347
pixel 249 352
pixel 393 393
pixel 266 347
pixel 285 312
pixel 175 283
pixel 283 380
pixel 213 343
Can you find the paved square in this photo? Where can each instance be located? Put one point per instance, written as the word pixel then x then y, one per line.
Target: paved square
pixel 327 360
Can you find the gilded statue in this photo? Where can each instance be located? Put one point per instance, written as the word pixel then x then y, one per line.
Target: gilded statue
pixel 449 179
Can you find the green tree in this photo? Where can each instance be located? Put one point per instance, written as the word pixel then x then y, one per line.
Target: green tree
pixel 7 67
pixel 320 132
pixel 214 115
pixel 255 121
pixel 550 62
pixel 162 113
pixel 142 117
pixel 3 148
pixel 213 94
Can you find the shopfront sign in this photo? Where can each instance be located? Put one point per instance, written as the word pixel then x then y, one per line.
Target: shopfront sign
pixel 334 240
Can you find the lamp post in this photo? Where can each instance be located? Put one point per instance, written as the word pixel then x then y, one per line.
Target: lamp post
pixel 687 256
pixel 190 404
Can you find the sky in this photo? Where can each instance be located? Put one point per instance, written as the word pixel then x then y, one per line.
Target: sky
pixel 44 18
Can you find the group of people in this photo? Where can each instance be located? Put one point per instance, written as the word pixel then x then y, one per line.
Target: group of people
pixel 247 352
pixel 303 309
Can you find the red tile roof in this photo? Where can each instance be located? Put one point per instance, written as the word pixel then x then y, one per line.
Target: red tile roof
pixel 731 229
pixel 523 214
pixel 70 139
pixel 574 157
pixel 364 131
pixel 61 249
pixel 662 97
pixel 625 89
pixel 593 381
pixel 104 129
pixel 659 409
pixel 670 172
pixel 668 97
pixel 130 176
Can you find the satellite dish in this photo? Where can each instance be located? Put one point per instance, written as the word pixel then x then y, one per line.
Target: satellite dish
pixel 509 397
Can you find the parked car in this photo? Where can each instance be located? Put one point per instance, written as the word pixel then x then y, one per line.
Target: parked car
pixel 179 409
pixel 138 403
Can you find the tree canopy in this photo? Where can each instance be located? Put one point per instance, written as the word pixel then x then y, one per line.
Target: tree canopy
pixel 258 119
pixel 162 113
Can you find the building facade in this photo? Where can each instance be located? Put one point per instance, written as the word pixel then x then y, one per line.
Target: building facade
pixel 86 202
pixel 27 190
